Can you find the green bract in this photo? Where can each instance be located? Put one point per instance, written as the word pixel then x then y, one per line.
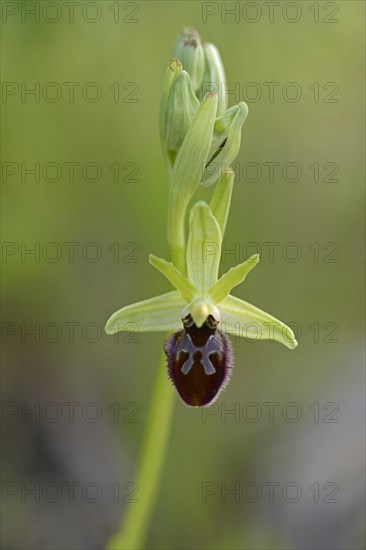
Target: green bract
pixel 202 293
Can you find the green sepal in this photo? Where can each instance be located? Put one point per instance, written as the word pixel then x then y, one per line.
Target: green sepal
pixel 174 276
pixel 203 248
pixel 247 321
pixel 161 313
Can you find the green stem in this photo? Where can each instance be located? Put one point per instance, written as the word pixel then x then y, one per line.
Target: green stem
pixel 133 530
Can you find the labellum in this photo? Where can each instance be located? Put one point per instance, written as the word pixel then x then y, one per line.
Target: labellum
pixel 199 361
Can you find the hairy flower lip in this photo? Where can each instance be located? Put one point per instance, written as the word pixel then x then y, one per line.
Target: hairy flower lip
pixel 199 362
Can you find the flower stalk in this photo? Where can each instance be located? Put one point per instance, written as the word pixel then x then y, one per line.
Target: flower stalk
pixel 132 532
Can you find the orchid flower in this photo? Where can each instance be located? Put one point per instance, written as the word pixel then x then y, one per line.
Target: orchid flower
pixel 199 312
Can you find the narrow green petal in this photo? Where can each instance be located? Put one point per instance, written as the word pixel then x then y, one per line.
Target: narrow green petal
pixel 232 278
pixel 203 248
pixel 229 151
pixel 174 276
pixel 189 167
pixel 221 199
pixel 161 313
pixel 243 319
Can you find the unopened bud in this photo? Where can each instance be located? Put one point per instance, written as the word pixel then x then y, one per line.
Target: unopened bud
pixel 189 50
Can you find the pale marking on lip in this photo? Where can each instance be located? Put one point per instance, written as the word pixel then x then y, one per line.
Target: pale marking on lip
pixel 189 347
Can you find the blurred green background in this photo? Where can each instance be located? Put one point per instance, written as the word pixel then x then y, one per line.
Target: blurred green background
pixel 68 364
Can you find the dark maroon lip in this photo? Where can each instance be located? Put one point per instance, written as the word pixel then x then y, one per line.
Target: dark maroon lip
pixel 199 361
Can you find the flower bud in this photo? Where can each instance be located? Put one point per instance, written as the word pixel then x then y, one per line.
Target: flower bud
pixel 214 77
pixel 181 107
pixel 189 50
pixel 172 72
